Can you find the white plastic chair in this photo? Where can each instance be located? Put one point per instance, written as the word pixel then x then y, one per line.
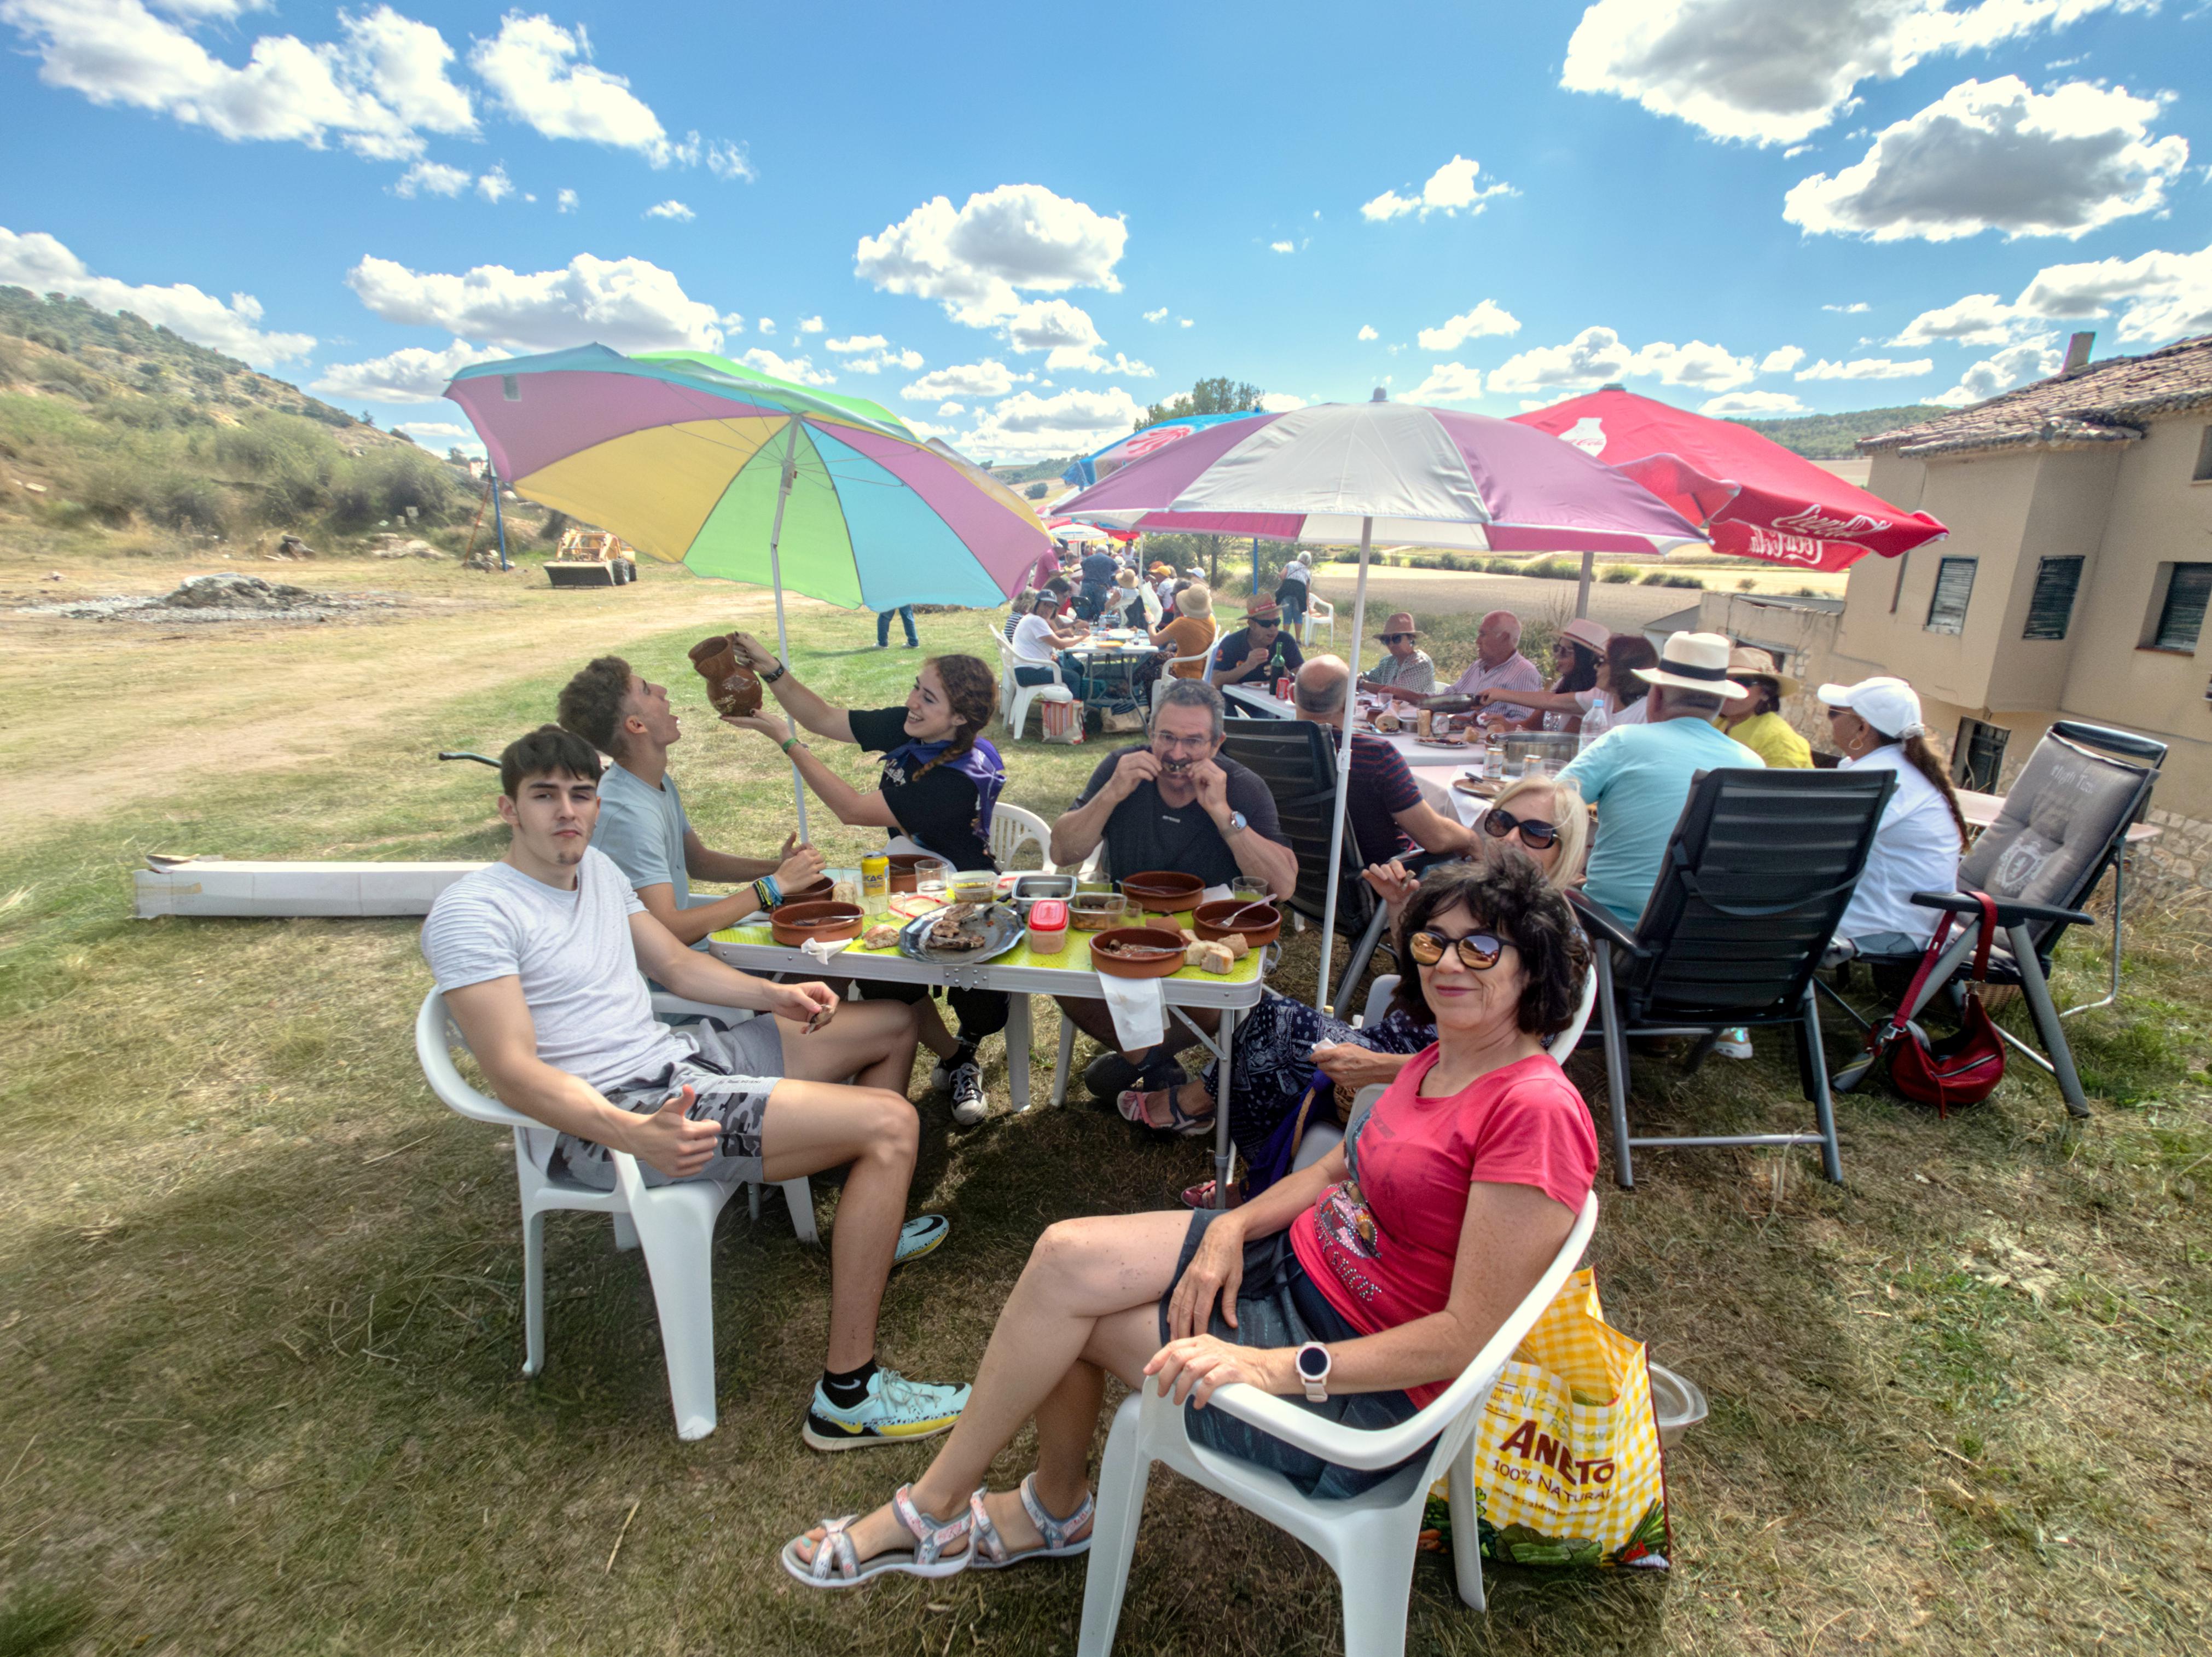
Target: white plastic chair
pixel 1202 661
pixel 1322 1138
pixel 1369 1540
pixel 1012 828
pixel 1014 698
pixel 1320 612
pixel 674 1224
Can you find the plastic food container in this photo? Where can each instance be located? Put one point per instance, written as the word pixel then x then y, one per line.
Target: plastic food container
pixel 1096 911
pixel 1677 1402
pixel 1048 926
pixel 976 885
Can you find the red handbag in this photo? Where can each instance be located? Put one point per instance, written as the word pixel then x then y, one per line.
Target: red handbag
pixel 1960 1070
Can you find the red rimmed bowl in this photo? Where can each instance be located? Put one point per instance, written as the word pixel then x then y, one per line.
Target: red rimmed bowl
pixel 792 924
pixel 1216 920
pixel 1163 891
pixel 1137 951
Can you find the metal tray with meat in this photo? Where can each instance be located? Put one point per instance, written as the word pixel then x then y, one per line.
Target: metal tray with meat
pixel 961 933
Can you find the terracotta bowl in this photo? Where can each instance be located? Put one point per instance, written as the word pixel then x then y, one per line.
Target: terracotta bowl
pixel 1216 920
pixel 792 924
pixel 1104 960
pixel 904 865
pixel 818 892
pixel 1163 890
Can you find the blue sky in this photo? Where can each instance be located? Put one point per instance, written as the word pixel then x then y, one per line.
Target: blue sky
pixel 1016 232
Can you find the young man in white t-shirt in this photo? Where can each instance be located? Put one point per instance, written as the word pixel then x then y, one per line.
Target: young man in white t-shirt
pixel 538 956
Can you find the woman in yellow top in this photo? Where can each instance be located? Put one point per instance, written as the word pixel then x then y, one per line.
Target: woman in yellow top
pixel 1192 633
pixel 1755 719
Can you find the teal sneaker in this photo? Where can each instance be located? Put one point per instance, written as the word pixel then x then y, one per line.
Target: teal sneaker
pixel 919 1236
pixel 895 1411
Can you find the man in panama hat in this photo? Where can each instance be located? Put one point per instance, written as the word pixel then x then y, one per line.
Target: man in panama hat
pixel 1638 776
pixel 1406 674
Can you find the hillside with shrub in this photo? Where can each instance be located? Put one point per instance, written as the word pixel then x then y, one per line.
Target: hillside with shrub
pixel 107 420
pixel 1836 436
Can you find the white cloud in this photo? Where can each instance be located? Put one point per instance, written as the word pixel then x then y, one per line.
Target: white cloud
pixel 810 325
pixel 858 342
pixel 1055 326
pixel 1280 402
pixel 35 260
pixel 766 325
pixel 1596 355
pixel 1977 319
pixel 1750 404
pixel 435 177
pixel 2167 296
pixel 2016 365
pixel 951 408
pixel 406 62
pixel 1852 309
pixel 1781 361
pixel 909 360
pixel 1485 319
pixel 799 370
pixel 1282 247
pixel 1027 427
pixel 974 260
pixel 1996 156
pixel 542 75
pixel 670 208
pixel 117 52
pixel 1770 73
pixel 568 202
pixel 989 377
pixel 1447 382
pixel 1449 189
pixel 630 304
pixel 1183 322
pixel 1160 315
pixel 727 160
pixel 1092 362
pixel 1367 332
pixel 433 429
pixel 412 375
pixel 495 185
pixel 1868 367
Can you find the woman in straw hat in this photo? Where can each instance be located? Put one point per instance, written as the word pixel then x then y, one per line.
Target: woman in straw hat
pixel 1407 672
pixel 1755 718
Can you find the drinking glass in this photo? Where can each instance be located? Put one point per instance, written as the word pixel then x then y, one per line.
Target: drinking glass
pixel 929 880
pixel 1249 889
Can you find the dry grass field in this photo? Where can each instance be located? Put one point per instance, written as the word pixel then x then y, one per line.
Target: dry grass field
pixel 259 1332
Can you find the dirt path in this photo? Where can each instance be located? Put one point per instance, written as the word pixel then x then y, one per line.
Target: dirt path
pixel 277 698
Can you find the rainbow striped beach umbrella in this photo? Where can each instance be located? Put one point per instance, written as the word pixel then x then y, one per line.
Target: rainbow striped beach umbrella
pixel 700 462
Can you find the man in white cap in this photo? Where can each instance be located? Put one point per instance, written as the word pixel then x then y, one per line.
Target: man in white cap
pixel 1638 776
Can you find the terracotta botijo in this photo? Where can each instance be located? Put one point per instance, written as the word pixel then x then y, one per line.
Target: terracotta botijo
pixel 732 686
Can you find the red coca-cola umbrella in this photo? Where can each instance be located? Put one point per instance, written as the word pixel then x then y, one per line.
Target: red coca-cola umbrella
pixel 1752 496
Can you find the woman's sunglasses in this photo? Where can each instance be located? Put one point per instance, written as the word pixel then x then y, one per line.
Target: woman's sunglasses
pixel 1477 950
pixel 1392 638
pixel 1535 833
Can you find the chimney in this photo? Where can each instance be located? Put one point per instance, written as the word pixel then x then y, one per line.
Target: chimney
pixel 1612 385
pixel 2077 351
pixel 1381 396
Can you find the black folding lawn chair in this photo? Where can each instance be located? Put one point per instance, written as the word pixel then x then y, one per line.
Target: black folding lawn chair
pixel 1757 873
pixel 1294 758
pixel 2065 821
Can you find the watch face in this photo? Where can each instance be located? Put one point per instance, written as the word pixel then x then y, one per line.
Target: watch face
pixel 1313 1362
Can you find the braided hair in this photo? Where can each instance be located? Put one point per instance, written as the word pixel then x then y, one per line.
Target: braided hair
pixel 972 692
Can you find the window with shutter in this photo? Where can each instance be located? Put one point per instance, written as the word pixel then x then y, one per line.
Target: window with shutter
pixel 2050 607
pixel 1954 585
pixel 2181 618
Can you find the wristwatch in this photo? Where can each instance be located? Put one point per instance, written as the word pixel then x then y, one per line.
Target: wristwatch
pixel 1238 823
pixel 776 673
pixel 1314 1365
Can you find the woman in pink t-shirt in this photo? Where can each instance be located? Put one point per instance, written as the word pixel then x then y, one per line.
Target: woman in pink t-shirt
pixel 1396 1257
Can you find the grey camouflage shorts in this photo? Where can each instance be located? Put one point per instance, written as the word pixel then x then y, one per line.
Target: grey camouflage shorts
pixel 733 1070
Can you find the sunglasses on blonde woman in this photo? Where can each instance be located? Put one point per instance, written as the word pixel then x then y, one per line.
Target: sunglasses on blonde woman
pixel 1535 833
pixel 1477 950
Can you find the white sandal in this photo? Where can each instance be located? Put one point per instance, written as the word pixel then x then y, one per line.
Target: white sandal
pixel 927 1558
pixel 989 1549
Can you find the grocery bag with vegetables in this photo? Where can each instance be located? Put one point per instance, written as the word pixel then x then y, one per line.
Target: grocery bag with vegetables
pixel 1566 1461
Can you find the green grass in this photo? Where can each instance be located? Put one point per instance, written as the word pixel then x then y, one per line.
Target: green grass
pixel 260 1337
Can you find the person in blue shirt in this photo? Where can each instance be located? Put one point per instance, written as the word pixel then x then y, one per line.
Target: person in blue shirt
pixel 1638 776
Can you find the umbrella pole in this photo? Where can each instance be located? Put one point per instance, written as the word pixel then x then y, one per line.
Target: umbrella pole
pixel 1343 769
pixel 776 581
pixel 1581 592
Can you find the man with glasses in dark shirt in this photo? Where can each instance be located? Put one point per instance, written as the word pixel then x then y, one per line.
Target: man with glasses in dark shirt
pixel 1258 652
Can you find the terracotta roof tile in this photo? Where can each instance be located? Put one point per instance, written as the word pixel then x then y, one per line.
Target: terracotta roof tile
pixel 2105 402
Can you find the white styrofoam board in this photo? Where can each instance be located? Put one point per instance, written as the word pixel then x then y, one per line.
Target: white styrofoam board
pixel 255 887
